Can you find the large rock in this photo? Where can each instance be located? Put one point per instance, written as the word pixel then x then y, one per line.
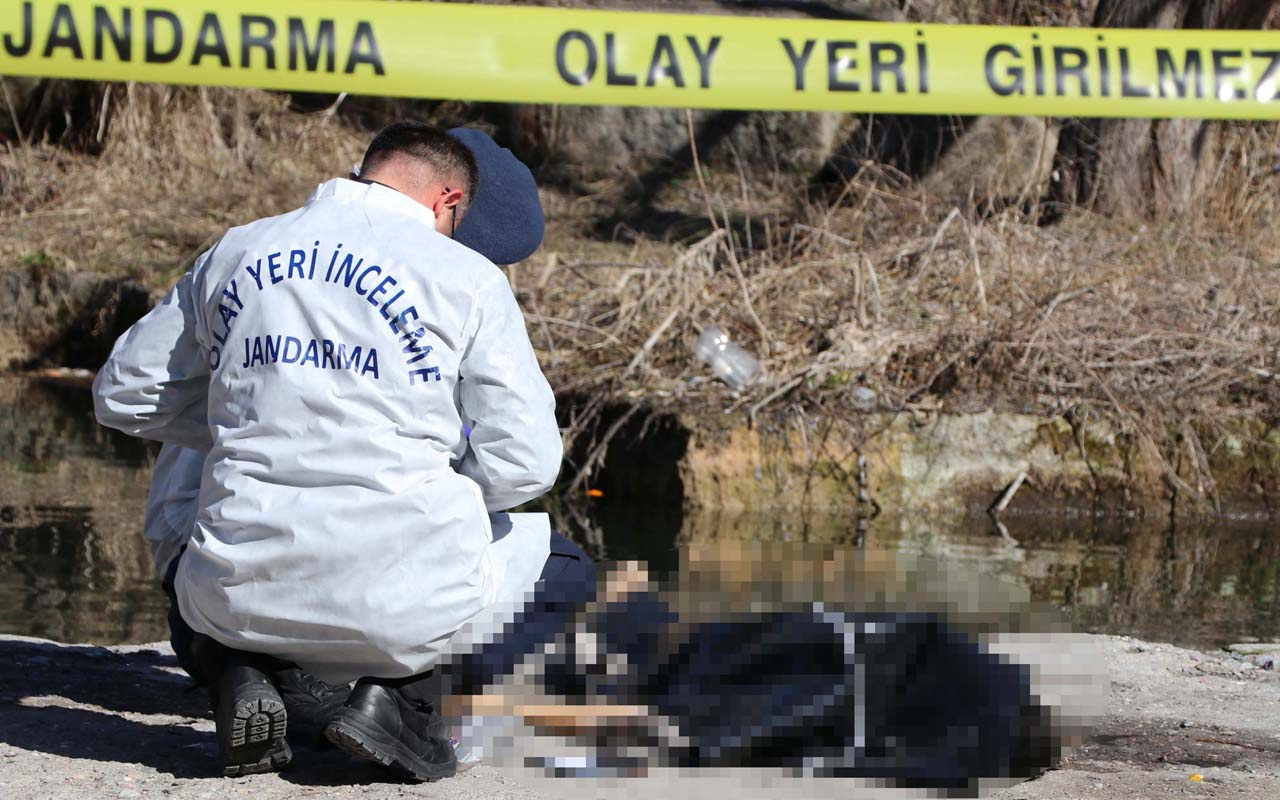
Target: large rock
pixel 582 144
pixel 52 316
pixel 1007 157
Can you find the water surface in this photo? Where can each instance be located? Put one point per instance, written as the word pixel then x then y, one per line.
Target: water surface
pixel 74 566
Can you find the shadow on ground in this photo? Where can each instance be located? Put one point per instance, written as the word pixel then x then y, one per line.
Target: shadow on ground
pixel 135 707
pixel 91 703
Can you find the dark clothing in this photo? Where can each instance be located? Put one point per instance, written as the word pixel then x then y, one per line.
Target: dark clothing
pixel 905 698
pixel 567 583
pixel 180 634
pixel 899 697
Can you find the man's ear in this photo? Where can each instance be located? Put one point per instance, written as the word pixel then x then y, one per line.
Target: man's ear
pixel 446 200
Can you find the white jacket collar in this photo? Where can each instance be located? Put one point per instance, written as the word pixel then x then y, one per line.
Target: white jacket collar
pixel 374 194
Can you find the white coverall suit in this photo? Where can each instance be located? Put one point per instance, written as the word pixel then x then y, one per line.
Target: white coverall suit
pixel 327 360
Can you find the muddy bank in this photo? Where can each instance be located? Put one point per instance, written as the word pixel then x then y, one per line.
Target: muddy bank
pixel 85 721
pixel 944 466
pixel 726 452
pixel 55 317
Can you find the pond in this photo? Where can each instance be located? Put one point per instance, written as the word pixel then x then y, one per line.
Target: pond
pixel 75 568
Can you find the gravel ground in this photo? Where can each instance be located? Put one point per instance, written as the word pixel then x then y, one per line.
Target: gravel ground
pixel 84 721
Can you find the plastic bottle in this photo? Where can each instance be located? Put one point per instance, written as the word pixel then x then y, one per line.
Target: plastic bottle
pixel 731 364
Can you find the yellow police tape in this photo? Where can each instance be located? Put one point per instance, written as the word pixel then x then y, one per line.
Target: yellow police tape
pixel 544 55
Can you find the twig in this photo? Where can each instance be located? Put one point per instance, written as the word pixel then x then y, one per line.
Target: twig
pixel 859 304
pixel 652 340
pixel 933 245
pixel 875 287
pixel 579 421
pixel 1057 300
pixel 1008 494
pixel 1170 474
pixel 977 269
pixel 697 170
pixel 598 452
pixel 1078 429
pixel 1003 532
pixel 776 393
pixel 1065 297
pixel 607 264
pixel 542 323
pixel 582 326
pixel 552 259
pixel 103 113
pixel 333 109
pixel 823 232
pixel 751 309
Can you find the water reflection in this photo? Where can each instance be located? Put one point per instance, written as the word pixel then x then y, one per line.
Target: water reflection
pixel 1200 583
pixel 74 565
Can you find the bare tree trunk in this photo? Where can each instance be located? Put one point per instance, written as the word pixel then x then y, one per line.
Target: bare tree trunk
pixel 1146 168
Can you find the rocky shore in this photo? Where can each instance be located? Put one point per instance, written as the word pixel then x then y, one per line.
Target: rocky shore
pixel 82 721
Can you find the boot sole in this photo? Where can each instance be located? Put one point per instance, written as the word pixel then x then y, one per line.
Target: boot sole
pixel 256 740
pixel 360 736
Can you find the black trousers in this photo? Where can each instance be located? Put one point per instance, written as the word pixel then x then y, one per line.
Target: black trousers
pixel 568 581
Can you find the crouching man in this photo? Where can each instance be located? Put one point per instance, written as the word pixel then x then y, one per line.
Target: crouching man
pixel 328 361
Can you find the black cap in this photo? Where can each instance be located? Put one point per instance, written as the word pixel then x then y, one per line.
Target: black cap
pixel 505 222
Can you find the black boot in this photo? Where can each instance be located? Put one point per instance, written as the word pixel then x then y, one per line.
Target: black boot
pixel 394 723
pixel 247 711
pixel 309 702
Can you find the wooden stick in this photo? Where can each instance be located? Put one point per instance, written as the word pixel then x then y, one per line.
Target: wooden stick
pixel 1009 492
pixel 552 259
pixel 652 340
pixel 933 245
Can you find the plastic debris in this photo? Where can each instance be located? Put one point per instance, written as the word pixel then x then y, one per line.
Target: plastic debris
pixel 731 364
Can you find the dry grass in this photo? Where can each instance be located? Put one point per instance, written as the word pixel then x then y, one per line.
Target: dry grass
pixel 178 167
pixel 927 302
pixel 919 298
pixel 1169 331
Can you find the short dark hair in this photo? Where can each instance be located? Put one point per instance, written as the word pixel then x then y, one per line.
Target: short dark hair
pixel 424 142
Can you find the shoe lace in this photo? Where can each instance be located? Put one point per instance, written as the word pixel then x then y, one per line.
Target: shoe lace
pixel 312 685
pixel 423 706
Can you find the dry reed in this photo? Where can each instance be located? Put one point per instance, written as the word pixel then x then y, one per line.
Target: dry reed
pixel 929 302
